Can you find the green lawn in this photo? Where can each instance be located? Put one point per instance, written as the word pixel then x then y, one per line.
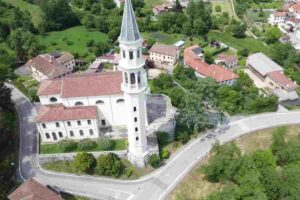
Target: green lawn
pixel 251 44
pixel 162 37
pixel 151 3
pixel 67 196
pixel 34 10
pixel 73 40
pixel 225 6
pixel 120 144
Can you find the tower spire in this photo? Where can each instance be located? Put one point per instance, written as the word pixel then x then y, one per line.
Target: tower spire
pixel 129 29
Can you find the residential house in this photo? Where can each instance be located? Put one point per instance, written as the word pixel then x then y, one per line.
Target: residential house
pixel 51 66
pixel 164 54
pixel 31 190
pixel 159 9
pixel 193 57
pixel 228 61
pixel 277 18
pixel 295 10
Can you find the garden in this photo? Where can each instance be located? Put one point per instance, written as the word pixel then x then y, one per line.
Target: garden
pixel 28 86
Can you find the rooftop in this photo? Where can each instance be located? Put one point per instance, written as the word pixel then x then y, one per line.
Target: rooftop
pixel 59 112
pixel 282 80
pixel 32 190
pixel 83 85
pixel 218 73
pixel 129 29
pixel 47 65
pixel 164 49
pixel 263 64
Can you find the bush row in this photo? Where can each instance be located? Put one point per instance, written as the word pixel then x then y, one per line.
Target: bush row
pixel 86 145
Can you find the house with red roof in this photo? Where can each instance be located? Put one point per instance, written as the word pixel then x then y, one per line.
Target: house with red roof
pixel 193 58
pixel 51 66
pixel 277 17
pixel 295 10
pixel 33 190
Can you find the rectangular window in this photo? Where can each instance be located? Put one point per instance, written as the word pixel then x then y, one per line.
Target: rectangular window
pixel 81 132
pixel 89 122
pixel 131 55
pixel 138 53
pixel 69 123
pixel 71 133
pixel 134 109
pixel 124 55
pixel 135 119
pixel 103 122
pixel 57 124
pixel 79 123
pixel 60 134
pixel 91 132
pixel 136 129
pixel 44 125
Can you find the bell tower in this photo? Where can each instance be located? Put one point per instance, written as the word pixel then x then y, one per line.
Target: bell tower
pixel 134 86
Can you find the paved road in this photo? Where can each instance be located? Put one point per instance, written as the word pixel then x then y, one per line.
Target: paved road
pixel 153 186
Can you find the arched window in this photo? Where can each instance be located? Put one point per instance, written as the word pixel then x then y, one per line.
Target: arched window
pixel 78 103
pixel 71 133
pixel 137 138
pixel 99 102
pixel 54 136
pixel 120 100
pixel 60 134
pixel 131 55
pixel 124 55
pixel 47 135
pixel 53 99
pixel 132 78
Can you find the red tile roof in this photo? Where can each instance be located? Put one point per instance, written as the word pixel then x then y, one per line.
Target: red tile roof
pixel 164 49
pixel 218 73
pixel 48 67
pixel 279 14
pixel 32 190
pixel 59 112
pixel 296 7
pixel 282 80
pixel 83 85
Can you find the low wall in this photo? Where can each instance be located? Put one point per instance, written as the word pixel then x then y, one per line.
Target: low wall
pixel 44 158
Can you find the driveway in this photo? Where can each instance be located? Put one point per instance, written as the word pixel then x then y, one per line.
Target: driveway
pixel 156 185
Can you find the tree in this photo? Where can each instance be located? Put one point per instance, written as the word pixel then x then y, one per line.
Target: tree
pixel 272 35
pixel 208 57
pixel 24 43
pixel 109 165
pixel 58 15
pixel 243 52
pixel 218 8
pixel 5 98
pixel 84 162
pixel 238 31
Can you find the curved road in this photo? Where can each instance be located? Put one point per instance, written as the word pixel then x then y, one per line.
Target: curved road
pixel 156 185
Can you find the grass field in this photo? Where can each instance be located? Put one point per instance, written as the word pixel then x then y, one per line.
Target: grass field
pixel 34 10
pixel 251 44
pixel 272 5
pixel 225 6
pixel 162 37
pixel 151 3
pixel 73 40
pixel 120 144
pixel 195 186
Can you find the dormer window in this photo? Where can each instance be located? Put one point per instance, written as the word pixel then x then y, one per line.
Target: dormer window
pixel 131 55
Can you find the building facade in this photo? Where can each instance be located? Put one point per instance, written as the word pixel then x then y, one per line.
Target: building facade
pixel 164 54
pixel 277 18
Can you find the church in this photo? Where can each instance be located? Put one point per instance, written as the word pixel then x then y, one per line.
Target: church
pixel 80 106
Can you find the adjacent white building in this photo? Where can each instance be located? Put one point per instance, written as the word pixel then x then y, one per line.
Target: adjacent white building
pixel 277 18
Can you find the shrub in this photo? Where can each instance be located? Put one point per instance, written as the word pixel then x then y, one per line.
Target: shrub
pixel 86 144
pixel 84 162
pixel 106 144
pixel 165 154
pixel 154 161
pixel 109 165
pixel 128 172
pixel 218 8
pixel 67 145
